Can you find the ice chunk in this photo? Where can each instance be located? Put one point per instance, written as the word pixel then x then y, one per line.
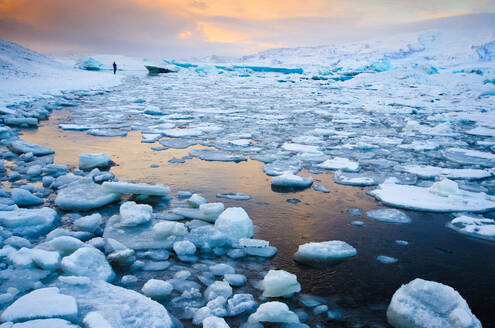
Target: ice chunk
pixel 157 289
pixel 321 188
pixel 273 312
pixel 121 307
pixel 236 280
pixel 280 283
pixel 28 222
pixel 196 200
pixel 280 167
pixel 216 155
pixel 89 64
pixel 426 199
pixel 84 195
pixel 46 260
pixel 218 288
pixel 241 303
pixel 422 304
pixel 386 259
pixel 234 196
pixel 211 211
pixel 42 303
pixel 339 163
pixel 214 322
pixel 65 244
pixel 136 188
pixel 17 242
pixel 88 223
pixel 95 320
pixel 291 180
pixel 22 147
pixel 132 214
pixel 388 215
pixel 470 157
pixel 165 229
pixel 354 179
pixel 44 323
pixel 184 247
pixel 300 148
pixel 430 172
pixel 88 262
pixel 478 227
pixel 89 161
pixel 235 223
pixel 221 269
pixel 326 252
pixel 180 133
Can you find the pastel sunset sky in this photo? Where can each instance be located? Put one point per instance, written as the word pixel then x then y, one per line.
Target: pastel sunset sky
pixel 202 27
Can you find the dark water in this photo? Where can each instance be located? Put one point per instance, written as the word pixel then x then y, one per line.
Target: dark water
pixel 361 285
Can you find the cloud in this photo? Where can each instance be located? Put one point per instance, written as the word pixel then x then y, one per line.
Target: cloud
pixel 178 28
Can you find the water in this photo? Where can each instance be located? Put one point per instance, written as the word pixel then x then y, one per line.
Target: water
pixel 361 286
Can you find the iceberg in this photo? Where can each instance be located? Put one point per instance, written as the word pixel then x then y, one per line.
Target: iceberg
pixel 89 64
pixel 429 304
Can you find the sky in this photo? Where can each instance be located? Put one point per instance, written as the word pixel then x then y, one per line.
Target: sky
pixel 194 28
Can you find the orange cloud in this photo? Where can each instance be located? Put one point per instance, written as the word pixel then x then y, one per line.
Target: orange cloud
pixel 445 13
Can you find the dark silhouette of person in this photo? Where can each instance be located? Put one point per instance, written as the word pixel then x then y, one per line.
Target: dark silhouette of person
pixel 114 68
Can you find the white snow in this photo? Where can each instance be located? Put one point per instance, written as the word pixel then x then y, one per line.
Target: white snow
pixel 280 283
pixel 422 304
pixel 42 303
pixel 324 252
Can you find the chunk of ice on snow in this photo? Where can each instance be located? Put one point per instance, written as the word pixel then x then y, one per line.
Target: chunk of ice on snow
pixel 422 304
pixel 280 283
pixel 273 312
pixel 42 303
pixel 324 252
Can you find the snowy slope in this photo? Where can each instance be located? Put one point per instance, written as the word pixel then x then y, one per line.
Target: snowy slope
pixel 26 75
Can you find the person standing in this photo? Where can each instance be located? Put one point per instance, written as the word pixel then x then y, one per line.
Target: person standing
pixel 114 68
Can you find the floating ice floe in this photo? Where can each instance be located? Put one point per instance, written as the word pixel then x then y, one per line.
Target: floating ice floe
pixel 235 196
pixel 112 302
pixel 181 133
pixel 89 161
pixel 22 147
pixel 294 147
pixel 28 222
pixel 322 253
pixel 482 131
pixel 354 179
pixel 470 157
pixel 132 214
pixel 386 259
pixel 157 289
pixel 280 283
pixel 84 195
pixel 88 262
pixel 339 163
pixel 273 312
pixel 257 247
pixel 478 227
pixel 428 304
pixel 235 223
pixel 290 180
pixel 442 196
pixel 430 172
pixel 41 304
pixel 136 188
pixel 216 155
pixel 388 215
pixel 321 188
pixel 23 197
